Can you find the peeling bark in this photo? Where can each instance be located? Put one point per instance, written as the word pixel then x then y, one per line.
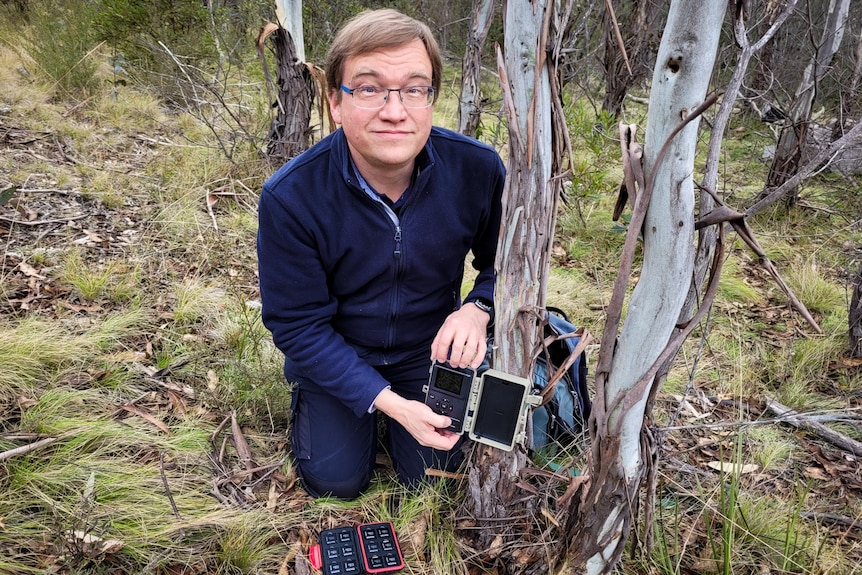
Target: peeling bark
pixel 602 512
pixel 502 525
pixel 290 132
pixel 470 108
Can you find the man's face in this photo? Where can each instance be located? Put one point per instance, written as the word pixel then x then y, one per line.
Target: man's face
pixel 388 139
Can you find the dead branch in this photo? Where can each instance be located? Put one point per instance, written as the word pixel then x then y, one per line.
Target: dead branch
pixel 43 222
pixel 834 519
pixel 799 420
pixel 852 137
pixel 24 449
pixel 621 46
pixel 738 220
pixel 167 486
pixel 222 110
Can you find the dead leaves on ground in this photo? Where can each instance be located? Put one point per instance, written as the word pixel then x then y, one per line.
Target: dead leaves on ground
pixel 707 427
pixel 701 448
pixel 239 480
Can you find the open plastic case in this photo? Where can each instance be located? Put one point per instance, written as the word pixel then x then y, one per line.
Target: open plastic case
pixel 366 548
pixel 497 409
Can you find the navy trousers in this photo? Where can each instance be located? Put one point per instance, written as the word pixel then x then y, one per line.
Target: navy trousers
pixel 335 451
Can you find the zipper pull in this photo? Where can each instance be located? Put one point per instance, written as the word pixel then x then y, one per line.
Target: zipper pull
pixel 397 241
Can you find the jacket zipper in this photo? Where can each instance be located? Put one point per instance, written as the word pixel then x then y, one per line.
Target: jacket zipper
pixel 396 221
pixel 396 286
pixel 398 243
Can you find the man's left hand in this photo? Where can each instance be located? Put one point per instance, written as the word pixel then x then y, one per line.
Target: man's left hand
pixel 461 339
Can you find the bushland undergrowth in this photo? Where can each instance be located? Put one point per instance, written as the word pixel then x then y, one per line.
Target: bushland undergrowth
pixel 143 414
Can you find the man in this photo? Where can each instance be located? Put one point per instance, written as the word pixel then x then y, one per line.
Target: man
pixel 361 247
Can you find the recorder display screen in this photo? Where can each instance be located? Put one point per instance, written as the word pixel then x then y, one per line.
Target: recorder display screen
pixel 450 381
pixel 498 410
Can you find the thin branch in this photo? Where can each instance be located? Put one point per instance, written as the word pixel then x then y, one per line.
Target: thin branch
pixel 167 487
pixel 851 138
pixel 798 420
pixel 618 35
pixel 737 220
pixel 24 449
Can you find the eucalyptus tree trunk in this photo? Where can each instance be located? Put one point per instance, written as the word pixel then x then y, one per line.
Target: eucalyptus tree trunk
pixel 500 512
pixel 601 518
pixel 290 131
pixel 707 236
pixel 470 108
pixel 289 14
pixel 788 151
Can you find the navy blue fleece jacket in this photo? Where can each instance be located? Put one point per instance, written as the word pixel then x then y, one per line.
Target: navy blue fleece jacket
pixel 346 284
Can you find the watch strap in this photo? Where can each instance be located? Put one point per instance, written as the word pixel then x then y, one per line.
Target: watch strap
pixel 485 305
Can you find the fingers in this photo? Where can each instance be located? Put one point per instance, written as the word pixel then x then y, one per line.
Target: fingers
pixel 426 426
pixel 464 354
pixel 429 428
pixel 481 350
pixel 461 339
pixel 441 439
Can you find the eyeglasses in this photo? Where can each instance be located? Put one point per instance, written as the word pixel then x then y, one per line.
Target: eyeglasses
pixel 375 97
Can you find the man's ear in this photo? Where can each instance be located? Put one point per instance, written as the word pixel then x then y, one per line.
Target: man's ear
pixel 335 99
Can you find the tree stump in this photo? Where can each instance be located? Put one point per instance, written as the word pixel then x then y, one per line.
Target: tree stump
pixel 290 134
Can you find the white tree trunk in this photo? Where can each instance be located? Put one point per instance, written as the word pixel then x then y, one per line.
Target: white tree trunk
pixel 601 525
pixel 289 14
pixel 680 82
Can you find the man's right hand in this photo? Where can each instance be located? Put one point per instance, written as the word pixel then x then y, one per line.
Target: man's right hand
pixel 426 426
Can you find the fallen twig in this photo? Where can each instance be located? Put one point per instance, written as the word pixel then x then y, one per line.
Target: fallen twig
pixel 167 487
pixel 798 420
pixel 43 222
pixel 834 519
pixel 850 138
pixel 445 474
pixel 9 454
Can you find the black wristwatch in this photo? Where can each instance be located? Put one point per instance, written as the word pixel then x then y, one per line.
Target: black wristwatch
pixel 485 305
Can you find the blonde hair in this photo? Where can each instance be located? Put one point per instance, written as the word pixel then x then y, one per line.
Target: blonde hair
pixel 374 30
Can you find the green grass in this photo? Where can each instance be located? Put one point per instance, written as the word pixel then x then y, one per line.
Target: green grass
pixel 115 281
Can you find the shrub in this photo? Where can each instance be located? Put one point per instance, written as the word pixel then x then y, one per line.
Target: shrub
pixel 62 45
